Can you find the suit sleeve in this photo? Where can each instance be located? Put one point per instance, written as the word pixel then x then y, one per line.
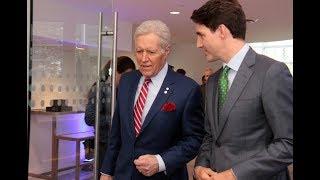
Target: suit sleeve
pixel 114 145
pixel 277 103
pixel 192 134
pixel 203 158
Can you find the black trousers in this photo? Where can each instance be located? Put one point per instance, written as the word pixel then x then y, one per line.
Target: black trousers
pixel 88 143
pixel 102 151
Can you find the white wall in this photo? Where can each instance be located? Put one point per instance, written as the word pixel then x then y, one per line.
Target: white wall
pixel 75 22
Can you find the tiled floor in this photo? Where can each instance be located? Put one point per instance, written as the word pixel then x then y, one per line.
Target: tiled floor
pixel 70 174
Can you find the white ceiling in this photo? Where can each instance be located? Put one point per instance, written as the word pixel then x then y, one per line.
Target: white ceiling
pixel 275 16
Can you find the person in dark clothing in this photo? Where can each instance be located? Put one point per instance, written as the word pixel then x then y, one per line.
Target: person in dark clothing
pixel 181 71
pixel 124 64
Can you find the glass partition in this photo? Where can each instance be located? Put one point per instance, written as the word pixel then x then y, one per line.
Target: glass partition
pixel 63 68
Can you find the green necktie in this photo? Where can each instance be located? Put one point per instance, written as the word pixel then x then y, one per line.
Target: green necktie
pixel 223 86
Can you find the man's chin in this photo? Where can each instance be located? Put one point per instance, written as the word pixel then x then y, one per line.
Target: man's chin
pixel 145 74
pixel 210 59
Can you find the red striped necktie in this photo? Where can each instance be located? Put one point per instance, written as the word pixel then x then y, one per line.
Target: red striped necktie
pixel 138 107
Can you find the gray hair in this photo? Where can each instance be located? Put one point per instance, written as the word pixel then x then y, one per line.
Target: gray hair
pixel 157 27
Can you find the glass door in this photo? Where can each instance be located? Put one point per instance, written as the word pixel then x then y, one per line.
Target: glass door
pixel 63 69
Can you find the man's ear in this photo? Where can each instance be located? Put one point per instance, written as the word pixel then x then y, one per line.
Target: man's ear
pixel 167 50
pixel 223 31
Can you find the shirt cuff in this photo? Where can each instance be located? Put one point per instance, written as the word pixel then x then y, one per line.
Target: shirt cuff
pixel 234 175
pixel 104 174
pixel 162 166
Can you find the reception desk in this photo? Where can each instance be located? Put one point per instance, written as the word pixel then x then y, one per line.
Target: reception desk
pixel 44 155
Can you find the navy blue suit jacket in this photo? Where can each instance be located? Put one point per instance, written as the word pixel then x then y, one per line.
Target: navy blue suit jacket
pixel 176 135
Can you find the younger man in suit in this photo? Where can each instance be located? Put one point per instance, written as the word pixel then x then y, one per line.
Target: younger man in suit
pixel 157 126
pixel 248 115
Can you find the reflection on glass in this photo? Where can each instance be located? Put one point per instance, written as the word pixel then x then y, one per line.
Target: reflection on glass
pixel 64 63
pixel 51 88
pixel 42 103
pixel 43 88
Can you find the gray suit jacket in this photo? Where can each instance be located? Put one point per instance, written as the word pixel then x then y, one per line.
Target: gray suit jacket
pixel 254 134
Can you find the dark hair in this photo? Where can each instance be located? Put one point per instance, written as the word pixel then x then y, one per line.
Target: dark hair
pixel 105 71
pixel 217 12
pixel 181 71
pixel 124 63
pixel 170 66
pixel 203 78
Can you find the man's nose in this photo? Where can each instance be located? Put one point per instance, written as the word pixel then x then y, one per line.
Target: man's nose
pixel 144 56
pixel 199 43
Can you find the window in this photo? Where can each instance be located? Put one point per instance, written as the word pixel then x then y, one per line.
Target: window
pixel 278 50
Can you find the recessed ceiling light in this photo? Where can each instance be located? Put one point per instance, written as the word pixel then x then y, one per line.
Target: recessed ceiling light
pixel 174 12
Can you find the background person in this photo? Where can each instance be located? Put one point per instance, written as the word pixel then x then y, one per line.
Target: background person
pixel 124 64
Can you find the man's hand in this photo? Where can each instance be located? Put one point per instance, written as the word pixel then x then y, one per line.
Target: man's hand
pixel 203 173
pixel 147 164
pixel 225 175
pixel 105 177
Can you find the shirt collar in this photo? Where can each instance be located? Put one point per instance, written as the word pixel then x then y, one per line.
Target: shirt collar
pixel 237 59
pixel 158 79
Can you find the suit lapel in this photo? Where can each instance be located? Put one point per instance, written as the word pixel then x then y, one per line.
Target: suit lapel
pixel 131 95
pixel 160 99
pixel 212 102
pixel 243 75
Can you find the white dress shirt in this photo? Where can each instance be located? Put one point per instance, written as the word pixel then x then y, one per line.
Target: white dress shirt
pixel 235 63
pixel 153 89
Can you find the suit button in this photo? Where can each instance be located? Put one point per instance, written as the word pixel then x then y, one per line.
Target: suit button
pixel 218 144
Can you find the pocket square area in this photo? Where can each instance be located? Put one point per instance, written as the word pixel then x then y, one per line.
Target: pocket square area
pixel 168 107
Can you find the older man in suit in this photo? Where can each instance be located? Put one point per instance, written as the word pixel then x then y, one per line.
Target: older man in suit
pixel 248 115
pixel 157 126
